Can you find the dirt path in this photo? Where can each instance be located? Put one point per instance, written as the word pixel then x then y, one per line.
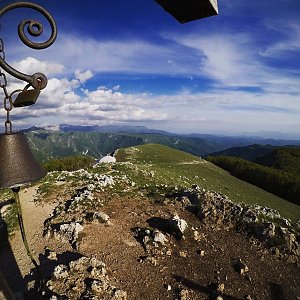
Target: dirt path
pixel 14 262
pixel 177 267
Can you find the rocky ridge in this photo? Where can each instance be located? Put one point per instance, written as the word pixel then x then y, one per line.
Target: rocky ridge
pixel 151 235
pixel 76 279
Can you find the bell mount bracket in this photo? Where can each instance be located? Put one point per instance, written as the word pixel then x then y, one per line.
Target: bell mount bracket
pixel 34 29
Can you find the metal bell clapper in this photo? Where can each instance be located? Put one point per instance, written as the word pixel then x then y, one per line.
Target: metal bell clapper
pixel 27 97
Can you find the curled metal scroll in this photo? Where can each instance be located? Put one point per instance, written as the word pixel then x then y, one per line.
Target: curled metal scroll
pixel 35 29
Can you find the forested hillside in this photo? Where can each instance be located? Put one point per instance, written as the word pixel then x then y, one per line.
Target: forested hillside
pixel 284 183
pixel 285 159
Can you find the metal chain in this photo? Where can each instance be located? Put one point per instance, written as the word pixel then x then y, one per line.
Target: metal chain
pixel 8 105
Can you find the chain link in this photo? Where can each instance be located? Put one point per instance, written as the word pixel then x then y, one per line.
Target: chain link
pixel 8 104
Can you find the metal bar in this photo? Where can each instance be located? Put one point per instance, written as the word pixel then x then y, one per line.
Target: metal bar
pixel 34 28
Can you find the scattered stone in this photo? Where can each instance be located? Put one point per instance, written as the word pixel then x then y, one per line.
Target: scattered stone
pixel 183 294
pixel 152 260
pixel 242 267
pixel 169 252
pixel 220 287
pixel 101 217
pixel 184 200
pixel 183 253
pixel 120 294
pixel 52 255
pixel 159 237
pixel 196 236
pixel 60 272
pixel 201 252
pixel 167 287
pixel 216 210
pixel 84 278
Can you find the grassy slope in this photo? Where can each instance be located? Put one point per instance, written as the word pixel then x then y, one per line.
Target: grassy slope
pixel 173 167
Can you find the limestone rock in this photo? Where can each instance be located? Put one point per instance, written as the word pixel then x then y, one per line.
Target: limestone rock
pixel 159 237
pixel 101 217
pixel 70 231
pixel 178 225
pixel 60 272
pixel 241 267
pixel 84 278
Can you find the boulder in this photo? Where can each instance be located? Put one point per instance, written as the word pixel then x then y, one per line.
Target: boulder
pixel 178 225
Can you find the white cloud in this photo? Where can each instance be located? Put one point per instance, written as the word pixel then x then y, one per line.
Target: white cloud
pixel 134 56
pixel 229 61
pixel 290 42
pixel 31 65
pixel 234 61
pixel 83 76
pixel 63 102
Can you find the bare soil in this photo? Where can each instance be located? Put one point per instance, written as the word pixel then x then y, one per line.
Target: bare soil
pixel 178 266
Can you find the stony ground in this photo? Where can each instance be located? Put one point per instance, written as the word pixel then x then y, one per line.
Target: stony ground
pixel 133 248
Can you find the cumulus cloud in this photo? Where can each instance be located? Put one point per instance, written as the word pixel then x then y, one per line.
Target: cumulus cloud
pixel 31 65
pixel 83 76
pixel 63 101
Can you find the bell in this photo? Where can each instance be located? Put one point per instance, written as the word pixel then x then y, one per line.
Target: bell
pixel 189 10
pixel 27 97
pixel 17 163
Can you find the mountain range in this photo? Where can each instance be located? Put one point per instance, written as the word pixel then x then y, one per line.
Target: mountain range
pixel 97 141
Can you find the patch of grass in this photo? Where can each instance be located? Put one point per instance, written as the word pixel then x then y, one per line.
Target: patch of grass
pixel 10 216
pixel 11 219
pixel 151 166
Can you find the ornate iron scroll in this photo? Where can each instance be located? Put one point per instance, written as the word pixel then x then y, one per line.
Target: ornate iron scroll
pixel 35 29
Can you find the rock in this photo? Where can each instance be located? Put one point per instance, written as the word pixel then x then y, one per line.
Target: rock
pixel 120 295
pixel 97 286
pixel 184 200
pixel 86 277
pixel 70 231
pixel 220 287
pixel 183 294
pixel 152 260
pixel 101 217
pixel 146 240
pixel 202 252
pixel 196 236
pixel 242 267
pixel 159 237
pixel 52 255
pixel 167 287
pixel 183 253
pixel 178 225
pixel 60 272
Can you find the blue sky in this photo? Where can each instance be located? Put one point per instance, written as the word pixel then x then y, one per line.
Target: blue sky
pixel 130 62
